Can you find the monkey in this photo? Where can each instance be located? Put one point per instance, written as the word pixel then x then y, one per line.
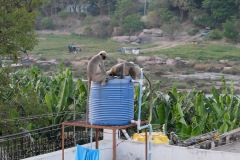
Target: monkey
pixel 130 69
pixel 174 140
pixel 96 72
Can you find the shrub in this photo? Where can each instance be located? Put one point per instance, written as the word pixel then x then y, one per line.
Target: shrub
pixel 172 27
pixel 153 19
pixel 88 31
pixel 230 30
pixel 47 23
pixel 103 28
pixel 193 32
pixel 215 34
pixel 63 14
pixel 132 23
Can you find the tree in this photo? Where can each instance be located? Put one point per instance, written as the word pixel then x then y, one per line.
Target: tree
pixel 132 23
pixel 123 9
pixel 221 10
pixel 17 21
pixel 172 27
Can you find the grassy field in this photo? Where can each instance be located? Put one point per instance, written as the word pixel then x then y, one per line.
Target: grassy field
pixel 203 52
pixel 55 47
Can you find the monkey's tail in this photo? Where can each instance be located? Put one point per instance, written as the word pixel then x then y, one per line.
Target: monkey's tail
pixel 150 98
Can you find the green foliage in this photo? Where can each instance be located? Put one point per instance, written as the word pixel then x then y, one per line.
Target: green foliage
pixel 215 34
pixel 220 10
pixel 17 29
pixel 191 113
pixel 123 9
pixel 193 32
pixel 63 14
pixel 158 17
pixel 132 23
pixel 103 29
pixel 30 93
pixel 88 30
pixel 230 30
pixel 172 27
pixel 47 23
pixel 204 20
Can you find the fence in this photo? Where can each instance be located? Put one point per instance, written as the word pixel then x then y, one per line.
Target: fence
pixel 41 141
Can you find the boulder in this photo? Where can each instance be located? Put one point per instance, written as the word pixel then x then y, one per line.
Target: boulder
pixel 121 39
pixel 145 38
pixel 133 38
pixel 147 31
pixel 141 59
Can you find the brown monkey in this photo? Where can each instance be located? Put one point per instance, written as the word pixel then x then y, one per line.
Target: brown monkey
pixel 125 69
pixel 130 69
pixel 96 72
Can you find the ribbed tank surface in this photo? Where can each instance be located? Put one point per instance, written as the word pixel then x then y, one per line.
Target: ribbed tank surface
pixel 112 104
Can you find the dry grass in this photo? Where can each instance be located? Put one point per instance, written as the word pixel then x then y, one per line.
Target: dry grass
pixel 209 67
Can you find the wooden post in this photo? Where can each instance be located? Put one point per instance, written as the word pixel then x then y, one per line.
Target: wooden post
pixel 114 144
pixel 97 138
pixel 63 141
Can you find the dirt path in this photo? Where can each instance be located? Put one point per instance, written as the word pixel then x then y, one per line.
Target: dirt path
pixel 169 44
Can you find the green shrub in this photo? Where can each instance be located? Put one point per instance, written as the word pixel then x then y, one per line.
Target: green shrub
pixel 88 30
pixel 193 32
pixel 63 14
pixel 230 30
pixel 215 35
pixel 47 23
pixel 103 28
pixel 132 23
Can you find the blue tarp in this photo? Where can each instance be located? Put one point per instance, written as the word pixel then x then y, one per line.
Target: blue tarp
pixel 86 154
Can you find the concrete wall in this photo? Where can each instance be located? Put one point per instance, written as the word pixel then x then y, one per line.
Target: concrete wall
pixel 69 154
pixel 136 151
pixel 129 150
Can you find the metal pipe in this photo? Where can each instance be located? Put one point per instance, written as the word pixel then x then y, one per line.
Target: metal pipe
pixel 139 118
pixel 91 136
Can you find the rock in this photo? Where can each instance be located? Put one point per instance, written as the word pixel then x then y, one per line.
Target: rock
pixel 147 31
pixel 157 32
pixel 170 62
pixel 145 38
pixel 133 38
pixel 121 39
pixel 141 59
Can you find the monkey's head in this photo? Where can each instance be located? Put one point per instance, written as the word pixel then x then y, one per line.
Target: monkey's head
pixel 103 54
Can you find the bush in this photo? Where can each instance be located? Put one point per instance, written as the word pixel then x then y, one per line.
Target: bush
pixel 193 32
pixel 103 29
pixel 204 20
pixel 153 19
pixel 63 14
pixel 132 23
pixel 172 28
pixel 215 35
pixel 47 23
pixel 88 31
pixel 230 30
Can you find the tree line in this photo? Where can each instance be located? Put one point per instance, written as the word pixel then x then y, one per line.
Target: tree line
pixel 19 19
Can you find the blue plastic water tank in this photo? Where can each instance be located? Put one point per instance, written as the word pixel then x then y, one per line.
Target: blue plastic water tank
pixel 112 104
